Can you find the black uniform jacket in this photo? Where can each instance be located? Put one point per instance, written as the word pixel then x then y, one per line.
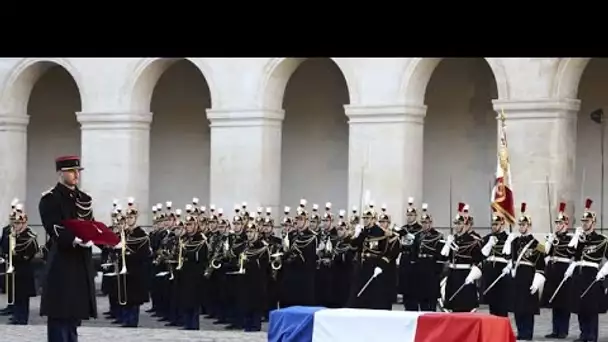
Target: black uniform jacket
pixel 69 289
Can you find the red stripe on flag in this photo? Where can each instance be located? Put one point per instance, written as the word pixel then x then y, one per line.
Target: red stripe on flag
pixel 463 327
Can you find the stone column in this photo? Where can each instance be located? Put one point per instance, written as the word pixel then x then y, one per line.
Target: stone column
pixel 245 158
pixel 385 155
pixel 541 136
pixel 116 158
pixel 13 168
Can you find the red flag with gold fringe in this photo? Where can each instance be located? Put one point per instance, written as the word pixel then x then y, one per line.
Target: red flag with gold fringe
pixel 502 194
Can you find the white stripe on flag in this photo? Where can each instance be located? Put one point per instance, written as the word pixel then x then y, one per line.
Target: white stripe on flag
pixel 358 325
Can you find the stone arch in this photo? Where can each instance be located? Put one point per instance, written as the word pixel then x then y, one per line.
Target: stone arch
pixel 21 80
pixel 418 72
pixel 568 77
pixel 148 71
pixel 278 71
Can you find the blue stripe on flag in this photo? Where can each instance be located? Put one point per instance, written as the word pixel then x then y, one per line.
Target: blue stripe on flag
pixel 292 324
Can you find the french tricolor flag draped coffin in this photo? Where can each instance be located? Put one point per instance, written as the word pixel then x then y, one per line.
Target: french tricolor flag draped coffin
pixel 300 324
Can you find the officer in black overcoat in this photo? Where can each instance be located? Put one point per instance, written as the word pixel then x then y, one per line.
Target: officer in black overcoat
pixel 20 274
pixel 69 270
pixel 275 245
pixel 5 232
pixel 558 260
pixel 527 268
pixel 588 291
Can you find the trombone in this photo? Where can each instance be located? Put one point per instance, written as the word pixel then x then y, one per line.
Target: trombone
pixel 9 276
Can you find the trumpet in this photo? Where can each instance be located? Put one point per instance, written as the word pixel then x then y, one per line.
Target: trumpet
pixel 121 277
pixel 276 262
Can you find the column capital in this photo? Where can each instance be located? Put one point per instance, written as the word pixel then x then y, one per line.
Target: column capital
pixel 239 117
pixel 14 122
pixel 114 120
pixel 536 109
pixel 393 113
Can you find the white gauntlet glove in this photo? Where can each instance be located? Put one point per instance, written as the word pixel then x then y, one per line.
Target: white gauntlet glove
pixel 570 270
pixel 602 273
pixel 445 251
pixel 506 250
pixel 537 283
pixel 508 268
pixel 574 241
pixel 474 274
pixel 487 248
pixel 358 229
pixel 549 243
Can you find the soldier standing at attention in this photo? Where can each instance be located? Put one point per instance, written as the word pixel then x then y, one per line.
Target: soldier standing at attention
pixel 493 247
pixel 69 273
pixel 407 262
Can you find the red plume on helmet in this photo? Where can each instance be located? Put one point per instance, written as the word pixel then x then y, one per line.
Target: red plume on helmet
pixel 460 207
pixel 562 207
pixel 523 208
pixel 588 203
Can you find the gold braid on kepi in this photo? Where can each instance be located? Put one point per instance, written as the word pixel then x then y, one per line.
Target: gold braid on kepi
pixel 425 217
pixel 131 209
pixel 524 218
pixel 588 215
pixel 384 216
pixel 561 214
pixel 410 206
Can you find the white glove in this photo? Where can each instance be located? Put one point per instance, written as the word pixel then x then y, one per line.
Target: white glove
pixel 537 283
pixel 506 250
pixel 574 241
pixel 474 274
pixel 508 268
pixel 602 273
pixel 547 259
pixel 487 248
pixel 118 246
pixel 445 251
pixel 87 244
pixel 77 241
pixel 329 246
pixel 549 243
pixel 321 246
pixel 286 243
pixel 358 229
pixel 570 270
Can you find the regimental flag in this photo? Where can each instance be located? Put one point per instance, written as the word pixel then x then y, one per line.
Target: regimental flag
pixel 502 194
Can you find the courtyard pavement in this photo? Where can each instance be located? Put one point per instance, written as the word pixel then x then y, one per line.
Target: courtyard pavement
pixel 150 330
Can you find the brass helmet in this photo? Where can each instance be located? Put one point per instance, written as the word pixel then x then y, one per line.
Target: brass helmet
pixel 287 220
pixel 268 220
pixel 328 216
pixel 131 209
pixel 384 216
pixel 354 218
pixel 369 212
pixel 238 217
pixel 588 214
pixel 460 218
pixel 213 216
pixel 524 218
pixel 301 211
pixel 561 214
pixel 314 215
pixel 195 207
pixel 425 217
pixel 341 221
pixel 259 217
pixel 497 219
pixel 410 206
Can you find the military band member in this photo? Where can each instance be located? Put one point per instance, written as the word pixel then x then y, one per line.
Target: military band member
pixel 109 257
pixel 275 246
pixel 236 244
pixel 428 267
pixel 559 258
pixel 154 244
pixel 527 268
pixel 136 251
pixel 407 268
pixel 253 268
pixel 587 286
pixel 215 272
pixel 375 270
pixel 69 274
pixel 299 262
pixel 324 276
pixel 20 247
pixel 192 260
pixel 464 254
pixel 496 284
pixel 342 263
pixel 5 233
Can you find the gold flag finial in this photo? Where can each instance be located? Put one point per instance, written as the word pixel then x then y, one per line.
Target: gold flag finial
pixel 502 116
